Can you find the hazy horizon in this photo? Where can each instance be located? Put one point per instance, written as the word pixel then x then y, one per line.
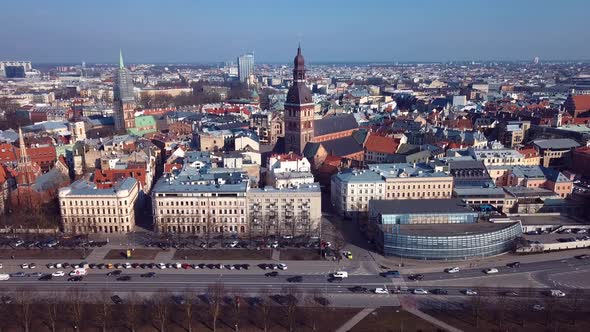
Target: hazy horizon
pixel 377 31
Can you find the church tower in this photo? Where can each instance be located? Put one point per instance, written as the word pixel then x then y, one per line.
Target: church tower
pixel 299 110
pixel 123 98
pixel 27 170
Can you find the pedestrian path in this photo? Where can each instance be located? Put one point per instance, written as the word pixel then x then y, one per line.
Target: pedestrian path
pixel 98 254
pixel 165 255
pixel 355 320
pixel 432 320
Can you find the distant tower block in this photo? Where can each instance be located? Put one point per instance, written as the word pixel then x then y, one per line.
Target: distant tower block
pixel 536 60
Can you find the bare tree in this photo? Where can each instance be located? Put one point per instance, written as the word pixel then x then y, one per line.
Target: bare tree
pixel 52 305
pixel 215 294
pixel 265 306
pixel 333 235
pixel 312 312
pixel 160 310
pixel 75 308
pixel 132 305
pixel 237 295
pixel 24 301
pixel 291 298
pixel 189 307
pixel 477 304
pixel 575 305
pixel 103 309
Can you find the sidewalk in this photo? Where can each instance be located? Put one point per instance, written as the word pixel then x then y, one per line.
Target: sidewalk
pixel 418 266
pixel 355 320
pixel 432 320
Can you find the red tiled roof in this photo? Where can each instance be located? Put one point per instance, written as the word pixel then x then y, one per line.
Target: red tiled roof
pixel 381 144
pixel 582 102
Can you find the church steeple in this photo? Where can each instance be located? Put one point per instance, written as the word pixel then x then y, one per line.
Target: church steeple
pixel 24 158
pixel 299 66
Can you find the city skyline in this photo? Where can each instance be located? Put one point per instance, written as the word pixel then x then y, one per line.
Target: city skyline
pixel 202 33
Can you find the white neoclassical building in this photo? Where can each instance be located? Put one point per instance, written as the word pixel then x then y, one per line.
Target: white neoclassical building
pixel 87 209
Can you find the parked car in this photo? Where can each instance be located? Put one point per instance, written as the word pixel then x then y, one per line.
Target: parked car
pixel 116 299
pixel 271 274
pixel 381 290
pixel 439 291
pixel 491 271
pixel 282 266
pixel 45 277
pixel 420 291
pixel 538 307
pixel 556 293
pixel 114 273
pixel 58 274
pixel 75 278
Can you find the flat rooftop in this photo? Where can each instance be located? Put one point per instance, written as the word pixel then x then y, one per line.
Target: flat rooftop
pixel 453 229
pixel 419 206
pixel 546 220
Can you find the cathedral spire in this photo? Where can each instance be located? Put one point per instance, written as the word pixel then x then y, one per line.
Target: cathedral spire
pixel 121 64
pixel 22 147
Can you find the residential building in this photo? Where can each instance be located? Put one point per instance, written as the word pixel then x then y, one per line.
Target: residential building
pixel 555 152
pixel 353 189
pixel 87 209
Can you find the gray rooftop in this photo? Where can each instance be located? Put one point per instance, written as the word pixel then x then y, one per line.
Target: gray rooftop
pixel 453 229
pixel 420 206
pixel 556 143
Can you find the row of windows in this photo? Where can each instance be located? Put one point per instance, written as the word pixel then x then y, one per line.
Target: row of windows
pixel 202 220
pixel 201 203
pixel 95 220
pixel 204 212
pixel 92 211
pixel 99 229
pixel 91 203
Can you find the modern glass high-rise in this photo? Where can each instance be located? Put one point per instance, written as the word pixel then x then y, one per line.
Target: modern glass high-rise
pixel 123 98
pixel 245 67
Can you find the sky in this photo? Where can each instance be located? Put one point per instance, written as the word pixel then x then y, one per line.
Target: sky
pixel 194 31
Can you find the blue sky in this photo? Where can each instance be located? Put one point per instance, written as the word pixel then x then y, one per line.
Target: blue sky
pixel 219 30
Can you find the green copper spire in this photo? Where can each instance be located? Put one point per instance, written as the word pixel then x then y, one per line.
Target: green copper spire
pixel 121 65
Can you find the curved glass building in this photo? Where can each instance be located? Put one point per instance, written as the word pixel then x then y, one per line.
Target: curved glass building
pixel 438 229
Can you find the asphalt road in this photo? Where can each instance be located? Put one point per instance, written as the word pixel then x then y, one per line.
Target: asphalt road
pixel 549 267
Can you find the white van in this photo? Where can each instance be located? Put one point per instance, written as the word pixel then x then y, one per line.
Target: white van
pixel 340 274
pixel 78 272
pixel 4 276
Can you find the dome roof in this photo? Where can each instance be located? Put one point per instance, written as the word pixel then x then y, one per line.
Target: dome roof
pixel 299 61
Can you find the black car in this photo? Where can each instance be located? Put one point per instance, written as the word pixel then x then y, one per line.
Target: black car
pixel 271 274
pixel 116 299
pixel 584 256
pixel 513 264
pixel 246 266
pixel 358 289
pixel 45 277
pixel 295 279
pixel 6 299
pixel 335 279
pixel 439 291
pixel 114 273
pixel 124 278
pixel 75 278
pixel 201 265
pixel 148 275
pixel 416 277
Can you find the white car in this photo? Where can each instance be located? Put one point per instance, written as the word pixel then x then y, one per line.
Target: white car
pixel 470 292
pixel 452 270
pixel 420 291
pixel 233 244
pixel 381 290
pixel 127 265
pixel 0 265
pixel 50 266
pixel 491 271
pixel 161 266
pixel 58 274
pixel 557 293
pixel 24 266
pixel 282 266
pixel 274 245
pixel 177 265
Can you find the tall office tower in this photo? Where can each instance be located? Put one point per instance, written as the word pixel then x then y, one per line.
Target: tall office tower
pixel 245 67
pixel 123 98
pixel 299 110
